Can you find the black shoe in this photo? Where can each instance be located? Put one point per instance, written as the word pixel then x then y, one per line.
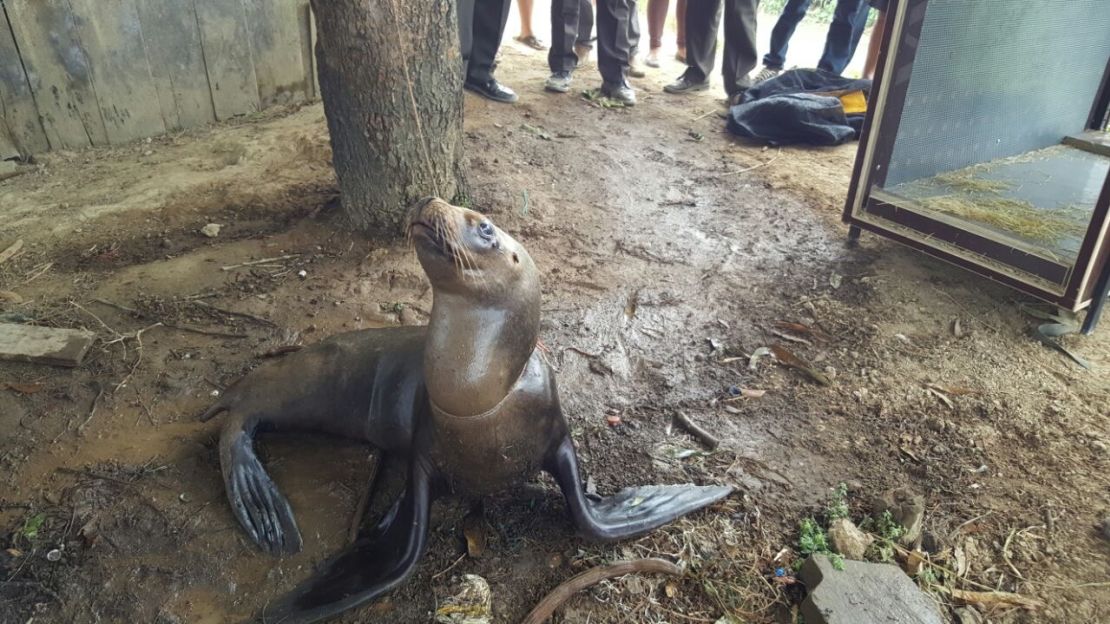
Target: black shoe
pixel 686 85
pixel 619 91
pixel 492 89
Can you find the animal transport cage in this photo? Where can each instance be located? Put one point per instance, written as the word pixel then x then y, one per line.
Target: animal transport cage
pixel 986 143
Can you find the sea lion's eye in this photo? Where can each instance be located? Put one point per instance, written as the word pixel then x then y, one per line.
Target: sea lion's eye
pixel 485 228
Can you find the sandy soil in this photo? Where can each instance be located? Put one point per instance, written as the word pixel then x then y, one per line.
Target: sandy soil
pixel 667 259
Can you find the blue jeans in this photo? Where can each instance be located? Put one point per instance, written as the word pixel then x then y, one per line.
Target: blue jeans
pixel 848 23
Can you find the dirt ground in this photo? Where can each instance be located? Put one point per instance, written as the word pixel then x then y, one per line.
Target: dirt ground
pixel 669 252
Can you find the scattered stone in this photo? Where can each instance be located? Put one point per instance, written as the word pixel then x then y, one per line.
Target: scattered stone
pixel 907 509
pixel 848 540
pixel 410 316
pixel 931 542
pixel 8 296
pixel 1106 528
pixel 212 230
pixel 471 605
pixel 302 274
pixel 863 593
pixel 54 556
pixel 967 615
pixel 167 617
pixel 9 169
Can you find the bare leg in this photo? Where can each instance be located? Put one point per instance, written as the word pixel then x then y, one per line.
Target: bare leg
pixel 657 17
pixel 526 36
pixel 877 35
pixel 680 23
pixel 525 7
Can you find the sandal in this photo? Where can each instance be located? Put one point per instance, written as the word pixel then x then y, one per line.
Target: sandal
pixel 532 42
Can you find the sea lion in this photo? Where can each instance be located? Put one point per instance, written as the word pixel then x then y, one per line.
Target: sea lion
pixel 468 400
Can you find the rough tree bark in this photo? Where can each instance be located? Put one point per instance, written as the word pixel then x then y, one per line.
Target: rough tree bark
pixel 390 75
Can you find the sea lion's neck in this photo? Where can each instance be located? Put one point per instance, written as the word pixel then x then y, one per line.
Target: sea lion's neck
pixel 475 352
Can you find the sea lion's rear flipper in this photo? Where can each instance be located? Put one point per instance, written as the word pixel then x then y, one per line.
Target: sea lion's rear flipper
pixel 370 567
pixel 255 500
pixel 630 512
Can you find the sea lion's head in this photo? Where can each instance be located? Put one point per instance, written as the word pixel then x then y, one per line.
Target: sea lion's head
pixel 464 253
pixel 485 306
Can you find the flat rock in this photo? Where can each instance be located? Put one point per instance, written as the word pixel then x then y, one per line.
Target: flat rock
pixel 863 593
pixel 44 345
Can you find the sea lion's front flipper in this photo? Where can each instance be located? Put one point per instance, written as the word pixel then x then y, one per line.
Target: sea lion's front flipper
pixel 630 512
pixel 370 567
pixel 256 501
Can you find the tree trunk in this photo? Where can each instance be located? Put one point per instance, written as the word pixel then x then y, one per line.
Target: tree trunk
pixel 390 76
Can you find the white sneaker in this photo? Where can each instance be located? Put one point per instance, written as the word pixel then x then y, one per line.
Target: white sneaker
pixel 766 73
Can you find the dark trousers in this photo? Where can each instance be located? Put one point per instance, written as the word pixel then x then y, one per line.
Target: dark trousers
pixel 612 37
pixel 633 28
pixel 585 23
pixel 702 18
pixel 848 23
pixel 481 26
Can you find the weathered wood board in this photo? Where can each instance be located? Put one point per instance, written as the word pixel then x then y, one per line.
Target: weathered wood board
pixel 44 345
pixel 75 73
pixel 112 38
pixel 58 71
pixel 308 50
pixel 315 42
pixel 1093 141
pixel 20 127
pixel 7 143
pixel 276 49
pixel 173 50
pixel 227 56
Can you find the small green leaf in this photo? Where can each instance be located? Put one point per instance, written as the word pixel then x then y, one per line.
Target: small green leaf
pixel 32 525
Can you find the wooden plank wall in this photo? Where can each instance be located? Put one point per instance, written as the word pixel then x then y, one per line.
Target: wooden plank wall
pixel 77 73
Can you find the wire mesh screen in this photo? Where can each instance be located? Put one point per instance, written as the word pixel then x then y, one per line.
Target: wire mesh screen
pixel 996 78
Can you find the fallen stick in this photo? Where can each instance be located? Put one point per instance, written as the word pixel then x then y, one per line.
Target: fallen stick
pixel 138 358
pixel 13 249
pixel 991 599
pixel 256 319
pixel 593 576
pixel 707 438
pixel 117 306
pixel 280 351
pixel 92 411
pixel 262 261
pixel 204 332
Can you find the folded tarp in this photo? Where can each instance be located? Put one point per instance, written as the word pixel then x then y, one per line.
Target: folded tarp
pixel 802 106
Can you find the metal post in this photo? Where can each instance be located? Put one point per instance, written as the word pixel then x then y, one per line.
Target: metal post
pixel 1102 290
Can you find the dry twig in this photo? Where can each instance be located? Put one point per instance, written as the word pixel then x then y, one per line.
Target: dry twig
pixel 256 319
pixel 593 576
pixel 256 262
pixel 92 409
pixel 138 359
pixel 698 431
pixel 203 332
